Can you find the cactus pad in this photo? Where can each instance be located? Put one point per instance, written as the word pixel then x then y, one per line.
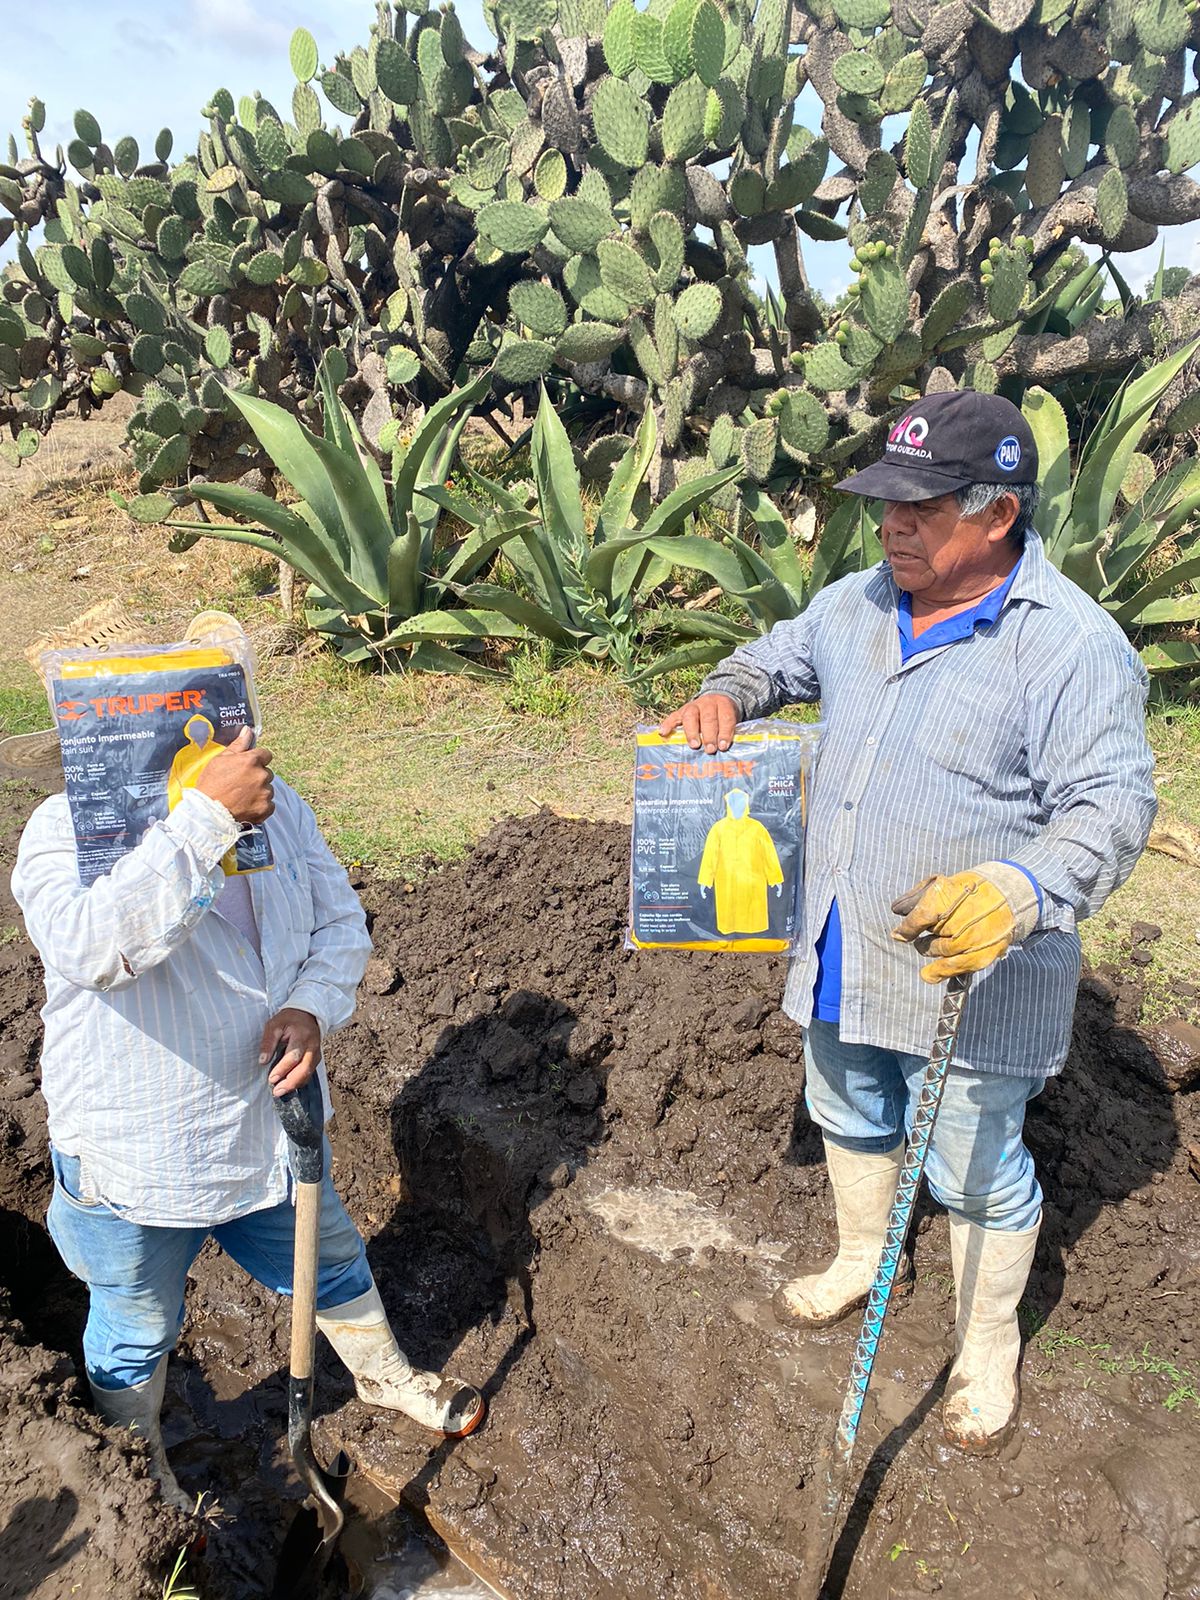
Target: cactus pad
pixel 758 444
pixel 683 116
pixel 858 72
pixel 884 300
pixel 708 43
pixel 865 15
pixel 618 39
pixel 1112 203
pixel 539 307
pixel 697 310
pixel 586 342
pixel 1008 278
pixel 826 370
pixel 945 313
pixel 904 82
pixel 677 38
pixel 624 272
pixel 579 225
pixel 1044 170
pixel 918 145
pixel 621 123
pixel 803 423
pixel 1183 139
pixel 666 235
pixel 303 55
pixel 522 361
pixel 511 227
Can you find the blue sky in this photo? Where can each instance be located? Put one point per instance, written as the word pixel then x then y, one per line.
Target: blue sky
pixel 139 67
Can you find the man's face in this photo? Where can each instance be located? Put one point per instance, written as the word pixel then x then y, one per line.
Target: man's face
pixel 933 550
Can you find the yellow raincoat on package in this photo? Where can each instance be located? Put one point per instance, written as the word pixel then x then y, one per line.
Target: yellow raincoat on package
pixel 718 841
pixel 739 864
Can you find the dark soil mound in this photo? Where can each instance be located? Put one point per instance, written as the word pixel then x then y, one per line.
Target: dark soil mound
pixel 582 1171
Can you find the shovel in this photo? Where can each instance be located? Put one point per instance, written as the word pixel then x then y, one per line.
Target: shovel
pixel 310 1540
pixel 838 1459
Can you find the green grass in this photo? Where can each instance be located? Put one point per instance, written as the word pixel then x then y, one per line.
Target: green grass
pixel 23 704
pixel 1179 1382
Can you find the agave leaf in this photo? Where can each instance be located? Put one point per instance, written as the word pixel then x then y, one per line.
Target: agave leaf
pixel 290 446
pixel 368 527
pixel 557 479
pixel 404 570
pixel 777 547
pixel 1048 423
pixel 426 441
pixel 453 625
pixel 847 543
pixel 430 656
pixel 1133 547
pixel 309 551
pixel 534 617
pixel 1147 605
pixel 456 504
pixel 688 655
pixel 1171 655
pixel 617 506
pixel 482 544
pixel 698 625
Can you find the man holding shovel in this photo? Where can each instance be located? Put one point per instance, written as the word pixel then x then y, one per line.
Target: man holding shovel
pixel 985 761
pixel 170 989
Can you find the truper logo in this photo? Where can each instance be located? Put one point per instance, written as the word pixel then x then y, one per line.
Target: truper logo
pixel 696 769
pixel 126 705
pixel 908 437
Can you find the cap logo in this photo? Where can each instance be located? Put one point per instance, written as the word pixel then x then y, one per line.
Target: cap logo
pixel 908 436
pixel 1008 454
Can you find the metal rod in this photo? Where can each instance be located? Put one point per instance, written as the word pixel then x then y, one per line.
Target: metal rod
pixel 929 1100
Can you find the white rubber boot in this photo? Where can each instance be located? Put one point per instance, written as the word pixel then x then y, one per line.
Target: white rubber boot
pixel 864 1187
pixel 362 1336
pixel 138 1407
pixel 983 1396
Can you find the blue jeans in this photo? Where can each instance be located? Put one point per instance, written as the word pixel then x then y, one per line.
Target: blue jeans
pixel 136 1274
pixel 862 1098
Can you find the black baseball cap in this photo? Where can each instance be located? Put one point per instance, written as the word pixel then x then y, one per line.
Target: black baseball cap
pixel 947 441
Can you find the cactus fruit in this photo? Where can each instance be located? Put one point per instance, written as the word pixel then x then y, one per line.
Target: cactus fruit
pixel 697 310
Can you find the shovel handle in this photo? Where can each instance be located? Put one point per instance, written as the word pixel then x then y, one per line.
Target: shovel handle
pixel 304 1280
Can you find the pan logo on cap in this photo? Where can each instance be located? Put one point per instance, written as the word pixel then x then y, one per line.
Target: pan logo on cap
pixel 1008 454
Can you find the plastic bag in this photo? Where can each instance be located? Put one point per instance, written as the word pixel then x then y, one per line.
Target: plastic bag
pixel 137 726
pixel 718 841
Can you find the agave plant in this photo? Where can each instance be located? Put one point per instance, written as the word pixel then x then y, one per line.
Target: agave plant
pixel 770 579
pixel 380 587
pixel 583 589
pixel 1142 565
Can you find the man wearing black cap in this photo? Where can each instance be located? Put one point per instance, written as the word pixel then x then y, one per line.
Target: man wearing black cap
pixel 984 742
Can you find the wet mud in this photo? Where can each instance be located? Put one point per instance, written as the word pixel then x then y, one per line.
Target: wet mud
pixel 581 1172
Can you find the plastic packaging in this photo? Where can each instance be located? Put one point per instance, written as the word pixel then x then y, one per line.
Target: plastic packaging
pixel 718 841
pixel 137 725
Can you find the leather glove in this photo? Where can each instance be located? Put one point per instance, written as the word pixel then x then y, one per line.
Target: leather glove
pixel 969 920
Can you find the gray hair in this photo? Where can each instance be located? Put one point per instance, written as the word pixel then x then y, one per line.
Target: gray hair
pixel 977 497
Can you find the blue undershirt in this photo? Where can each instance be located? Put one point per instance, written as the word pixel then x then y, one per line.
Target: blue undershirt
pixel 827 991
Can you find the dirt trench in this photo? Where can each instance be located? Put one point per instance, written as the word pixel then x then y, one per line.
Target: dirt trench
pixel 581 1172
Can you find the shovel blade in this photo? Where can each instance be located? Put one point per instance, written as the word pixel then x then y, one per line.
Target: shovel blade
pixel 315 1528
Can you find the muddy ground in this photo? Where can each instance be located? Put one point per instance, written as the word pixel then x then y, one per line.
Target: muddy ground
pixel 582 1172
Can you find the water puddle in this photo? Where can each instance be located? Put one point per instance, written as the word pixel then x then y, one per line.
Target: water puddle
pixel 414 1568
pixel 672 1224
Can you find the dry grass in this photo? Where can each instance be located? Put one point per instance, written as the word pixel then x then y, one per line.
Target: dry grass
pixel 406 770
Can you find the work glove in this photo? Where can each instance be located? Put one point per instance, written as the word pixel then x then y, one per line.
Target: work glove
pixel 969 920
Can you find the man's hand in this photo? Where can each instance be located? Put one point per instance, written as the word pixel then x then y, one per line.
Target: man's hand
pixel 709 720
pixel 241 780
pixel 969 920
pixel 301 1032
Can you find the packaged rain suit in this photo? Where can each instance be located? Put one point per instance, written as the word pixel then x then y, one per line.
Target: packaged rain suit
pixel 739 864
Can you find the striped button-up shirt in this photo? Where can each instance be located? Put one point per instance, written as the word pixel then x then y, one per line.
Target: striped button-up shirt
pixel 156 1003
pixel 1024 742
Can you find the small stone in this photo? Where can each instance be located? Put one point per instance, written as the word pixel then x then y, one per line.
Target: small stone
pixel 381 977
pixel 557 1177
pixel 1145 932
pixel 708 1252
pixel 444 1001
pixel 1141 958
pixel 583 1092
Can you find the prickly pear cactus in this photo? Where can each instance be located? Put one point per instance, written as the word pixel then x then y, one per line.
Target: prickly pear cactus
pixel 549 206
